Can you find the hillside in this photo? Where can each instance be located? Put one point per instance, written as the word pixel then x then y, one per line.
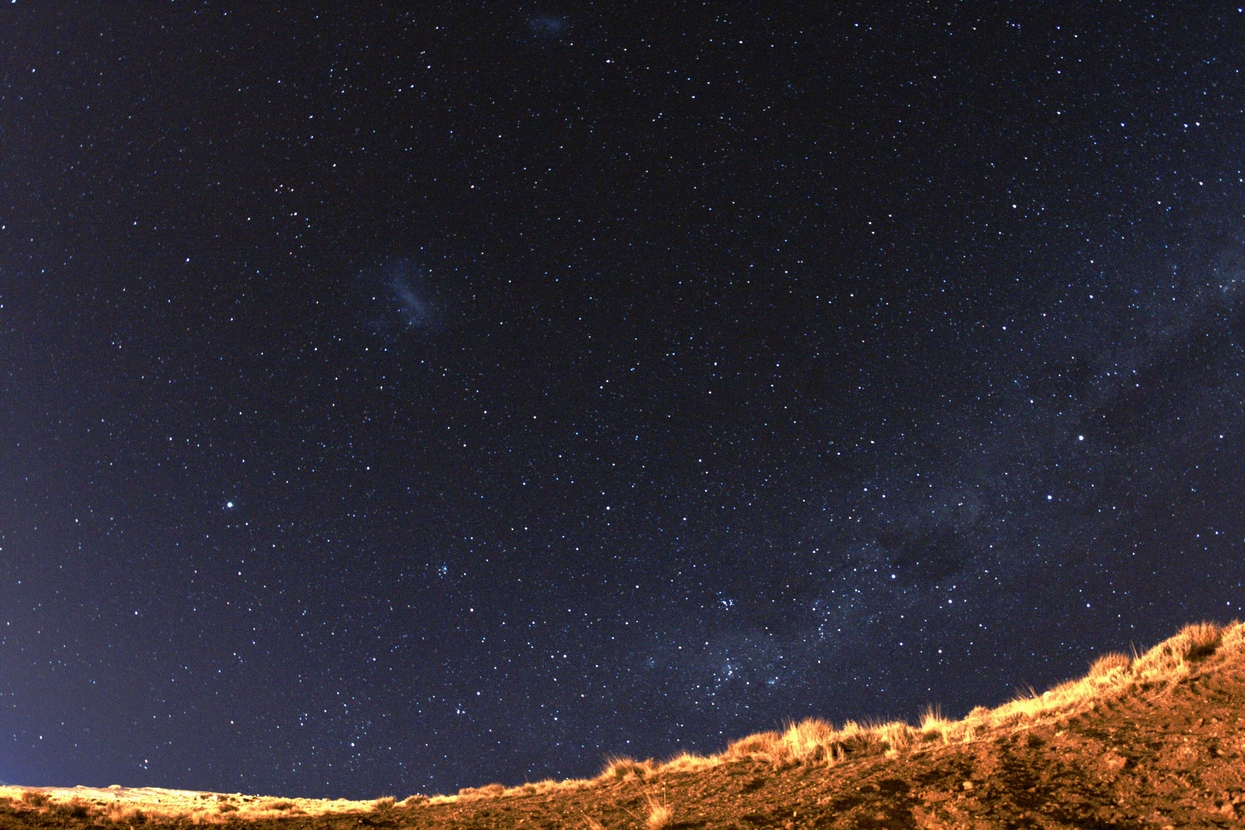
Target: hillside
pixel 1152 740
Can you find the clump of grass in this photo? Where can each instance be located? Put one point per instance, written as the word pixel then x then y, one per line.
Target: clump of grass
pixel 1202 639
pixel 1174 657
pixel 622 768
pixel 763 747
pixel 933 726
pixel 385 802
pixel 488 791
pixel 1109 662
pixel 1008 719
pixel 35 798
pixel 659 816
pixel 415 801
pixel 809 741
pixel 687 762
pixel 860 738
pixel 279 804
pixel 1232 639
pixel 74 807
pixel 814 741
pixel 896 738
pixel 659 813
pixel 443 799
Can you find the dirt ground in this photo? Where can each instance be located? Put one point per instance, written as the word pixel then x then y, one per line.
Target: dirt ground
pixel 1166 753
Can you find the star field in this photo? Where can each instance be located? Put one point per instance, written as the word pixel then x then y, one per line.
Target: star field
pixel 397 401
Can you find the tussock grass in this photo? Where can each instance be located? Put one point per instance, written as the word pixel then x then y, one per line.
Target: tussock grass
pixel 74 808
pixel 1109 662
pixel 1194 643
pixel 280 805
pixel 686 762
pixel 659 814
pixel 620 768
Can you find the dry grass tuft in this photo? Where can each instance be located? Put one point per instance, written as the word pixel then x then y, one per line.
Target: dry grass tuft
pixel 934 727
pixel 760 745
pixel 659 814
pixel 1109 662
pixel 74 808
pixel 814 741
pixel 686 762
pixel 1198 641
pixel 1232 639
pixel 488 791
pixel 280 805
pixel 896 738
pixel 622 768
pixel 1193 644
pixel 808 741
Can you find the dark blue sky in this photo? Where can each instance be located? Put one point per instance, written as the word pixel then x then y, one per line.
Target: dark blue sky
pixel 395 402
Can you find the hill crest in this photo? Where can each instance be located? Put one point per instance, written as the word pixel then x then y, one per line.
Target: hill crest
pixel 1153 739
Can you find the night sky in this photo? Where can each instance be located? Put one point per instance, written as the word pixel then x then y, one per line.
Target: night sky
pixel 395 401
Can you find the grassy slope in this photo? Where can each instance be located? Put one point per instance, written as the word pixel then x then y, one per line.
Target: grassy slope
pixel 1156 739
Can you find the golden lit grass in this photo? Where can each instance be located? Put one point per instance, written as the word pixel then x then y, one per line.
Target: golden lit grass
pixel 1108 663
pixel 810 742
pixel 620 768
pixel 817 742
pixel 133 806
pixel 659 814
